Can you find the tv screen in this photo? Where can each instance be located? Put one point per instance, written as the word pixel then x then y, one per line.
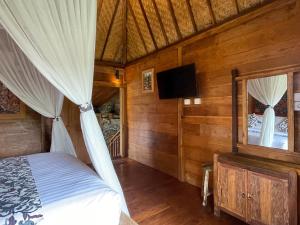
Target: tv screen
pixel 179 82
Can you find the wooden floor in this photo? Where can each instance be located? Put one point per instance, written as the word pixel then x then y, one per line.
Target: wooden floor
pixel 155 198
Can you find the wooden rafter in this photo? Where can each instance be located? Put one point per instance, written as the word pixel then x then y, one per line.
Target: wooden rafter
pixel 237 6
pixel 160 22
pixel 137 26
pixel 211 11
pixel 188 3
pixel 174 19
pixel 124 38
pixel 148 24
pixel 109 28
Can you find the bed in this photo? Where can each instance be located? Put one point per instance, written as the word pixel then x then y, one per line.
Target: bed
pixel 53 188
pixel 280 133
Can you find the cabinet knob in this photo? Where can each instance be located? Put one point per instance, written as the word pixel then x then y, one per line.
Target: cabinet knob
pixel 243 195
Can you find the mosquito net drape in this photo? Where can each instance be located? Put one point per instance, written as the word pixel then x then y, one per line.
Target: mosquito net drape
pixel 58 36
pixel 269 91
pixel 22 78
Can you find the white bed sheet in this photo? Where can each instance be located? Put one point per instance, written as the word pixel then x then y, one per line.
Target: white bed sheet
pixel 71 193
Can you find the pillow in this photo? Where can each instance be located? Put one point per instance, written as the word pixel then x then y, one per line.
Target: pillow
pixel 283 126
pixel 252 120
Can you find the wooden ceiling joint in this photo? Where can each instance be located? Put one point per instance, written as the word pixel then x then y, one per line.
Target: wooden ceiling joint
pixel 237 6
pixel 160 22
pixel 148 24
pixel 109 29
pixel 171 8
pixel 188 3
pixel 211 12
pixel 137 27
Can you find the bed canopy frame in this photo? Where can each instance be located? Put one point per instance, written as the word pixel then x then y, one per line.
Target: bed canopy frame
pixel 47 53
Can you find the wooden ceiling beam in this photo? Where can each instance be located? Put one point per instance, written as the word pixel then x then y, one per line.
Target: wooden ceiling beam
pixel 99 62
pixel 148 24
pixel 137 26
pixel 237 6
pixel 160 22
pixel 188 3
pixel 211 11
pixel 174 19
pixel 110 28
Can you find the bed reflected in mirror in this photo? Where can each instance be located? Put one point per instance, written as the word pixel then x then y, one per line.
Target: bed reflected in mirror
pixel 268 112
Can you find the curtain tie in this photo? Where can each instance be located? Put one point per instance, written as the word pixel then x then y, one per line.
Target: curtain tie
pixel 57 118
pixel 269 106
pixel 86 107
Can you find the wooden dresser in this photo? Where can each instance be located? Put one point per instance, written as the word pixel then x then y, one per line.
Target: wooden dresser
pixel 256 190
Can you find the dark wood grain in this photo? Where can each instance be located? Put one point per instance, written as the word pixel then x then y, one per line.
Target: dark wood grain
pixel 155 198
pixel 270 188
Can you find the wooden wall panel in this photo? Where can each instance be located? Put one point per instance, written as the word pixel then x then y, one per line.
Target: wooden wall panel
pixel 269 40
pixel 151 122
pixel 21 136
pixel 255 45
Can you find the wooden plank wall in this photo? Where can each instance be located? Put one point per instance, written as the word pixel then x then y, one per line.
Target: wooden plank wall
pixel 270 40
pixel 21 136
pixel 152 123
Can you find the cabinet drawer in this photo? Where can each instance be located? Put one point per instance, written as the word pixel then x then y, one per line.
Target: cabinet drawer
pixel 267 200
pixel 232 189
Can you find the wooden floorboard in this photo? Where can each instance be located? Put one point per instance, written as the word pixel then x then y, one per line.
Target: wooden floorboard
pixel 155 198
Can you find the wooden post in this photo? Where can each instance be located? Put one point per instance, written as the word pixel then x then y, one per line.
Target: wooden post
pixel 234 74
pixel 123 119
pixel 291 122
pixel 179 127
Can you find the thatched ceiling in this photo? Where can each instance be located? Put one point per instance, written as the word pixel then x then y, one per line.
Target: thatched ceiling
pixel 130 29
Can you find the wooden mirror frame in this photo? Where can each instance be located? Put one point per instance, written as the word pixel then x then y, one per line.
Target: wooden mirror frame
pixel 272 153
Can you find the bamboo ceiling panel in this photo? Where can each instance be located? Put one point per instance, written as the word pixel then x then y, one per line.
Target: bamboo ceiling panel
pixel 105 19
pixel 183 17
pixel 167 21
pixel 246 4
pixel 224 9
pixel 114 43
pixel 154 23
pixel 130 29
pixel 137 11
pixel 135 47
pixel 201 13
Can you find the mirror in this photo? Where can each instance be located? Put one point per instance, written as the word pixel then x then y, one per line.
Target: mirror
pixel 268 112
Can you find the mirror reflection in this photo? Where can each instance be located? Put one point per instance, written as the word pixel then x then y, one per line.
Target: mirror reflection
pixel 268 112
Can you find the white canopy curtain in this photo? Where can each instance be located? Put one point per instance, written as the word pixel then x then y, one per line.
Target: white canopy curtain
pixel 23 79
pixel 269 91
pixel 58 36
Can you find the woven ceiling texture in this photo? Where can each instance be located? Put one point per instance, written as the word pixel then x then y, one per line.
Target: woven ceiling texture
pixel 130 29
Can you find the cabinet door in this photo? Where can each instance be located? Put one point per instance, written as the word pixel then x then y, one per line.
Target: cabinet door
pixel 267 200
pixel 232 189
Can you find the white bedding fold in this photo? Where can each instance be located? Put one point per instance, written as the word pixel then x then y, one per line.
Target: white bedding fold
pixel 72 193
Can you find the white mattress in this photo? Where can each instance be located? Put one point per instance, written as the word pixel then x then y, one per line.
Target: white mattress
pixel 71 193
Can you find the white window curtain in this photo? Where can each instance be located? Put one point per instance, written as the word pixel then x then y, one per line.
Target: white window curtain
pixel 23 79
pixel 268 91
pixel 58 36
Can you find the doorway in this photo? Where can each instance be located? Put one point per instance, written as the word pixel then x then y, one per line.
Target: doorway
pixel 109 108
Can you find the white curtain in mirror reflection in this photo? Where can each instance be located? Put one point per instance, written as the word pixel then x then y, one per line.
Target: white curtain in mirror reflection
pixel 268 91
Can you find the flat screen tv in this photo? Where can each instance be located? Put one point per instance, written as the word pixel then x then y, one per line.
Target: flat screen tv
pixel 179 82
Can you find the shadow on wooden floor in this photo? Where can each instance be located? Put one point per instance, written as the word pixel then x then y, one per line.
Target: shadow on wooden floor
pixel 155 198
